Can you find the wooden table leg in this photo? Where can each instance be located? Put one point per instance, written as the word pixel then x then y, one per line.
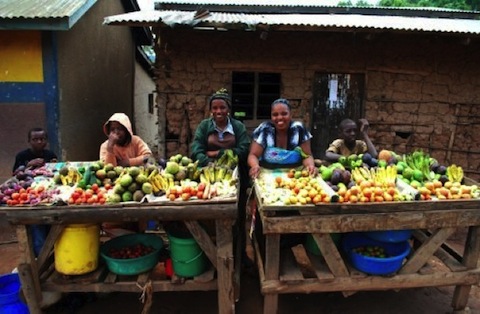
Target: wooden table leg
pixel 272 270
pixel 30 277
pixel 225 267
pixel 28 288
pixel 470 260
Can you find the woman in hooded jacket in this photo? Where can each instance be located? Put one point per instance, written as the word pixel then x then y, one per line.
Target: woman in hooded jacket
pixel 123 148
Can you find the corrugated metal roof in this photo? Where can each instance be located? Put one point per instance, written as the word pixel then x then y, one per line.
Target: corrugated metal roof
pixel 250 21
pixel 176 5
pixel 42 14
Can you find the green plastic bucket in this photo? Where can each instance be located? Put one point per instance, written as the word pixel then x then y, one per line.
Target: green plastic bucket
pixel 312 247
pixel 188 259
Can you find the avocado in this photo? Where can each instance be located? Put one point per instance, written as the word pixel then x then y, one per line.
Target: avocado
pixel 336 176
pixel 127 196
pixel 346 177
pixel 367 158
pixel 138 196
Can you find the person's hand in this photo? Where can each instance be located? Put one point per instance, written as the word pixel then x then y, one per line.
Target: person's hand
pixel 113 139
pixel 123 162
pixel 363 125
pixel 35 163
pixel 254 172
pixel 312 170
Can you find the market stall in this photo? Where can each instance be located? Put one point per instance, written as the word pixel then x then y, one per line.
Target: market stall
pixel 39 275
pixel 431 260
pixel 78 195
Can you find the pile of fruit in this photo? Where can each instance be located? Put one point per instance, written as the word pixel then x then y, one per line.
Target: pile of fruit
pixel 128 252
pixel 178 178
pixel 363 179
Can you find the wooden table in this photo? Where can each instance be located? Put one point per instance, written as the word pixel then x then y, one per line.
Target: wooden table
pixel 295 270
pixel 39 275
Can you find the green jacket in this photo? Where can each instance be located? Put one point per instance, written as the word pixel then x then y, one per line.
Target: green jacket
pixel 205 128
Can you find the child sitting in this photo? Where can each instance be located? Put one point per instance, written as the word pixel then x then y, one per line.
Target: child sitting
pixel 348 143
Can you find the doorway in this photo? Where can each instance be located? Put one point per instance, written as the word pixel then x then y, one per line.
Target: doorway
pixel 335 97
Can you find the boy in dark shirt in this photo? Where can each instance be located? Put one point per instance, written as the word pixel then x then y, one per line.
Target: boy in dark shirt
pixel 36 155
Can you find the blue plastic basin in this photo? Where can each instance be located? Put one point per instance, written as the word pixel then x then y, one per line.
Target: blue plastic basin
pixel 396 253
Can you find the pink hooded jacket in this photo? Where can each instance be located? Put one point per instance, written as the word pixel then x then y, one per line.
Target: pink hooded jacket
pixel 136 151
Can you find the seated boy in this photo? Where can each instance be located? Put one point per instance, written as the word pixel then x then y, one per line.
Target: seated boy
pixel 348 143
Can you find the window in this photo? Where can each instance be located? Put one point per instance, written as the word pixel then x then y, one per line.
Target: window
pixel 253 93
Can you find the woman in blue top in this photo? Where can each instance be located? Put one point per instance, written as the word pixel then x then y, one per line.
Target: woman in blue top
pixel 281 142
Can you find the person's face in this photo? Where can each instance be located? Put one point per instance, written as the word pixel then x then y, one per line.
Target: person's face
pixel 119 130
pixel 38 140
pixel 349 133
pixel 219 110
pixel 281 116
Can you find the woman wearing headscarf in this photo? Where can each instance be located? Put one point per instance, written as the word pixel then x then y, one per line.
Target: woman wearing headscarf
pixel 219 132
pixel 213 137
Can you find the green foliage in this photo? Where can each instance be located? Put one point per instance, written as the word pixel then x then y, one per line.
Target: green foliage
pixel 359 3
pixel 473 5
pixel 448 4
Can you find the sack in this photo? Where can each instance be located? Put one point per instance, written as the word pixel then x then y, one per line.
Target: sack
pixel 281 157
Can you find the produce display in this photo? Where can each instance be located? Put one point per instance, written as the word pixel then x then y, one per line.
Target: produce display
pixel 363 179
pixel 82 183
pixel 133 251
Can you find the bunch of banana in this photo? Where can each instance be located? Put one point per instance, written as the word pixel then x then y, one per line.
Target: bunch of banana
pixel 228 159
pixel 215 173
pixel 192 171
pixel 420 161
pixel 385 176
pixel 159 182
pixel 71 177
pixel 360 174
pixel 455 173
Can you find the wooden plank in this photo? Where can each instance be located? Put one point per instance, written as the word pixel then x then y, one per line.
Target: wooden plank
pixel 203 240
pixel 143 278
pixel 289 270
pixel 47 249
pixel 330 253
pixel 225 266
pixel 272 264
pixel 432 219
pixel 303 260
pixel 111 278
pixel 130 286
pixel 320 267
pixel 27 256
pixel 426 250
pixel 29 289
pixel 206 276
pixel 450 261
pixel 191 210
pixel 48 271
pixel 371 283
pixel 470 260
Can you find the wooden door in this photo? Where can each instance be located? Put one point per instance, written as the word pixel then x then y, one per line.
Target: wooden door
pixel 335 97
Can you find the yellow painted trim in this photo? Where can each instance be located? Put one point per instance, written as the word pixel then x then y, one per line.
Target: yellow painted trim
pixel 21 56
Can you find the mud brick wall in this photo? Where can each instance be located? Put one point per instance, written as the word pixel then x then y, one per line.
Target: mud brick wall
pixel 422 91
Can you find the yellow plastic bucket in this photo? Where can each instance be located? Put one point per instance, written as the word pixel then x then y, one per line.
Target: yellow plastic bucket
pixel 77 249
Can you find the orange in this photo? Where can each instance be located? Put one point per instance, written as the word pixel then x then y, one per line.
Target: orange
pixel 354 190
pixel 437 184
pixel 365 184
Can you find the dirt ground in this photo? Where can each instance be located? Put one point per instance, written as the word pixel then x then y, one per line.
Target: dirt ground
pixel 420 300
